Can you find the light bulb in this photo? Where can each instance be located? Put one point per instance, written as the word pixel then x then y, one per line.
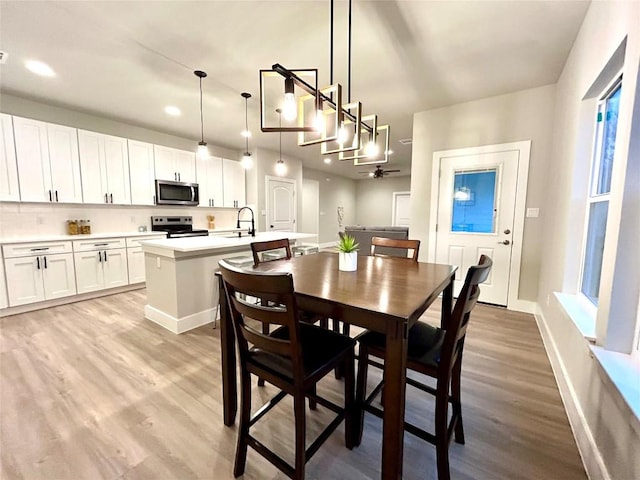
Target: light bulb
pixel 247 161
pixel 289 109
pixel 280 168
pixel 318 121
pixel 342 135
pixel 246 134
pixel 372 174
pixel 371 150
pixel 203 151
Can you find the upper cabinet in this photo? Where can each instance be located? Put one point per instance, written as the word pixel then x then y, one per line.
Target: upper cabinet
pixel 8 169
pixel 104 161
pixel 142 173
pixel 210 182
pixel 233 183
pixel 174 164
pixel 48 164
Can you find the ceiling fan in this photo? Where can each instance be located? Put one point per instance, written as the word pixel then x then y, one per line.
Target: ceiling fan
pixel 379 172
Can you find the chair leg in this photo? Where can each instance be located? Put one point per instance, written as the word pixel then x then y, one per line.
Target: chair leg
pixel 350 420
pixel 338 371
pixel 361 393
pixel 300 455
pixel 243 428
pixel 313 405
pixel 442 442
pixel 457 404
pixel 265 331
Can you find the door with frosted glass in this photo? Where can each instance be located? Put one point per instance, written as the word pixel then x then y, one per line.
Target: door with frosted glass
pixel 476 205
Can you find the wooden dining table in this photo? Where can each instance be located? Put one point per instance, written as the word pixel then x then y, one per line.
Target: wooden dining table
pixel 385 294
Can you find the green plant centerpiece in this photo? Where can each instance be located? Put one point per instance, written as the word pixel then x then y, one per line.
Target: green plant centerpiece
pixel 347 253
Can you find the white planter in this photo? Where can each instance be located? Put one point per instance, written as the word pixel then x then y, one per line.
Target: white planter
pixel 348 262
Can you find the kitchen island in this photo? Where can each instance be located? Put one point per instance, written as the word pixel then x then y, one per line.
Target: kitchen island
pixel 182 292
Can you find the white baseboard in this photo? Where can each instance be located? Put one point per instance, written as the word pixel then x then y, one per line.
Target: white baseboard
pixel 179 325
pixel 591 458
pixel 525 306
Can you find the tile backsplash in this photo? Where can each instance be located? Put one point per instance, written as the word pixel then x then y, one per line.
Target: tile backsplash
pixel 34 219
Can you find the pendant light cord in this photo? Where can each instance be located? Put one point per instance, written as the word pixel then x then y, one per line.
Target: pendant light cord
pixel 280 115
pixel 246 122
pixel 331 50
pixel 201 115
pixel 349 59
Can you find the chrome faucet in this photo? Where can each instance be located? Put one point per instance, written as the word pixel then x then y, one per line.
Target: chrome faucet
pixel 252 230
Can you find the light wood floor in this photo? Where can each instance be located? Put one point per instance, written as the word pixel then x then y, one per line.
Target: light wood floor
pixel 92 390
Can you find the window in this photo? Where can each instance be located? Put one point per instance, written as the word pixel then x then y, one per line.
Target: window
pixel 599 190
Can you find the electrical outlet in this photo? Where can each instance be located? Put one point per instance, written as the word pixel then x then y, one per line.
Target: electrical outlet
pixel 157 262
pixel 133 219
pixel 40 220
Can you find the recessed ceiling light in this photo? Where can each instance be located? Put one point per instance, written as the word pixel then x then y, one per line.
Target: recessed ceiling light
pixel 327 160
pixel 406 141
pixel 173 111
pixel 39 68
pixel 390 152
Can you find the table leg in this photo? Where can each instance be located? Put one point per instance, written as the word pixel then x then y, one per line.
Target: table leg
pixel 228 349
pixel 394 391
pixel 447 304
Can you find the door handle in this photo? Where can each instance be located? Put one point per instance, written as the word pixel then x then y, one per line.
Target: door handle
pixel 507 231
pixel 270 226
pixel 505 242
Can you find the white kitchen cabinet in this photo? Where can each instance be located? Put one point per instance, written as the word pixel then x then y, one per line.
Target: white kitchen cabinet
pixel 233 182
pixel 100 264
pixel 173 164
pixel 9 190
pixel 37 271
pixel 209 175
pixel 3 287
pixel 104 163
pixel 135 258
pixel 48 163
pixel 141 173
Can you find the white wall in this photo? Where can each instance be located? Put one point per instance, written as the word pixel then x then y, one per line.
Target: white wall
pixel 335 191
pixel 524 115
pixel 607 432
pixel 375 199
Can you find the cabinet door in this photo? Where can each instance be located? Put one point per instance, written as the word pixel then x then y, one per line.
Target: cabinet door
pixel 65 163
pixel 185 165
pixel 89 275
pixel 209 176
pixel 116 160
pixel 8 168
pixel 3 288
pixel 114 264
pixel 135 261
pixel 24 280
pixel 141 173
pixel 59 276
pixel 164 163
pixel 233 183
pixel 32 155
pixel 94 175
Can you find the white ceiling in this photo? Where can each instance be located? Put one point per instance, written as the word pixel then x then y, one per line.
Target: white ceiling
pixel 128 60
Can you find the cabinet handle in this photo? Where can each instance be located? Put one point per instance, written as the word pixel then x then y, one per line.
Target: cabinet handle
pixel 56 195
pixel 105 198
pixel 50 198
pixel 178 176
pixel 39 249
pixel 100 244
pixel 105 256
pixel 38 263
pixel 44 259
pixel 175 176
pixel 111 196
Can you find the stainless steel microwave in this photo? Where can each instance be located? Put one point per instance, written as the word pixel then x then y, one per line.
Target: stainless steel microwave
pixel 176 193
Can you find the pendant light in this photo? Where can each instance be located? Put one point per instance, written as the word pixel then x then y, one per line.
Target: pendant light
pixel 203 151
pixel 247 161
pixel 281 168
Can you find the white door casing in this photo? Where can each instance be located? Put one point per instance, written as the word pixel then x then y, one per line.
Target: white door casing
pixel 509 163
pixel 281 204
pixel 401 209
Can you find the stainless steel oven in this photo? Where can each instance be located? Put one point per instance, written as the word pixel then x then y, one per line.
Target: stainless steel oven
pixel 177 193
pixel 176 227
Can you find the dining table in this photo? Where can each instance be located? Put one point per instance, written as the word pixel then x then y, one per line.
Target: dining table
pixel 384 294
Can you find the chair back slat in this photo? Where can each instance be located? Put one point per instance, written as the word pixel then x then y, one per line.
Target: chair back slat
pixel 396 243
pixel 457 327
pixel 258 248
pixel 280 310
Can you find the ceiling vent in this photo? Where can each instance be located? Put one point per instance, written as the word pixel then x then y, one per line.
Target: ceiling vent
pixel 406 141
pixel 3 57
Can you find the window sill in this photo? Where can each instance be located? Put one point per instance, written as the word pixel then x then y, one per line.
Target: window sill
pixel 583 319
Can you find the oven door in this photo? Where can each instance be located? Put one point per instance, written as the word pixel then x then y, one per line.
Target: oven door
pixel 177 193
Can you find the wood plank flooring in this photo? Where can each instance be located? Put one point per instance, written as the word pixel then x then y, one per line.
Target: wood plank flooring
pixel 92 390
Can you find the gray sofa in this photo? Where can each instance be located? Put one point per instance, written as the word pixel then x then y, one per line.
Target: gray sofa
pixel 363 236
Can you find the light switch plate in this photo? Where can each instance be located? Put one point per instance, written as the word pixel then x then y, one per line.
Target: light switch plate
pixel 533 212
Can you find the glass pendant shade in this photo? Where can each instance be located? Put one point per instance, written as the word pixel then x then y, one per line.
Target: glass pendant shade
pixel 281 168
pixel 289 107
pixel 247 161
pixel 203 151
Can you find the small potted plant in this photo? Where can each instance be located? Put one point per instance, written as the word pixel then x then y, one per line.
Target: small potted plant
pixel 347 253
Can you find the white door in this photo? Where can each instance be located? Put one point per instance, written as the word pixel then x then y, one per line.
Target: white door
pixel 281 204
pixel 310 218
pixel 59 275
pixel 401 209
pixel 476 207
pixel 8 168
pixel 141 172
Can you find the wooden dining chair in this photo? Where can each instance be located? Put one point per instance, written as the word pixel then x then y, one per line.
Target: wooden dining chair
pixel 434 352
pixel 281 248
pixel 381 244
pixel 293 358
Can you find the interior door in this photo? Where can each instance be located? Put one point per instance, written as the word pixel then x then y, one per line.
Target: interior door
pixel 281 204
pixel 476 205
pixel 401 209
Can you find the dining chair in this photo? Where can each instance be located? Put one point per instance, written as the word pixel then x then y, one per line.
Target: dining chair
pixel 293 358
pixel 434 352
pixel 280 248
pixel 381 244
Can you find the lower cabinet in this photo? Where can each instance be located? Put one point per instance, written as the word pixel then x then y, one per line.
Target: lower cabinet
pixel 97 270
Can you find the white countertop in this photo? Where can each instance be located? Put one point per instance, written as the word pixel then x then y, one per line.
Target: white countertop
pixel 57 238
pixel 217 242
